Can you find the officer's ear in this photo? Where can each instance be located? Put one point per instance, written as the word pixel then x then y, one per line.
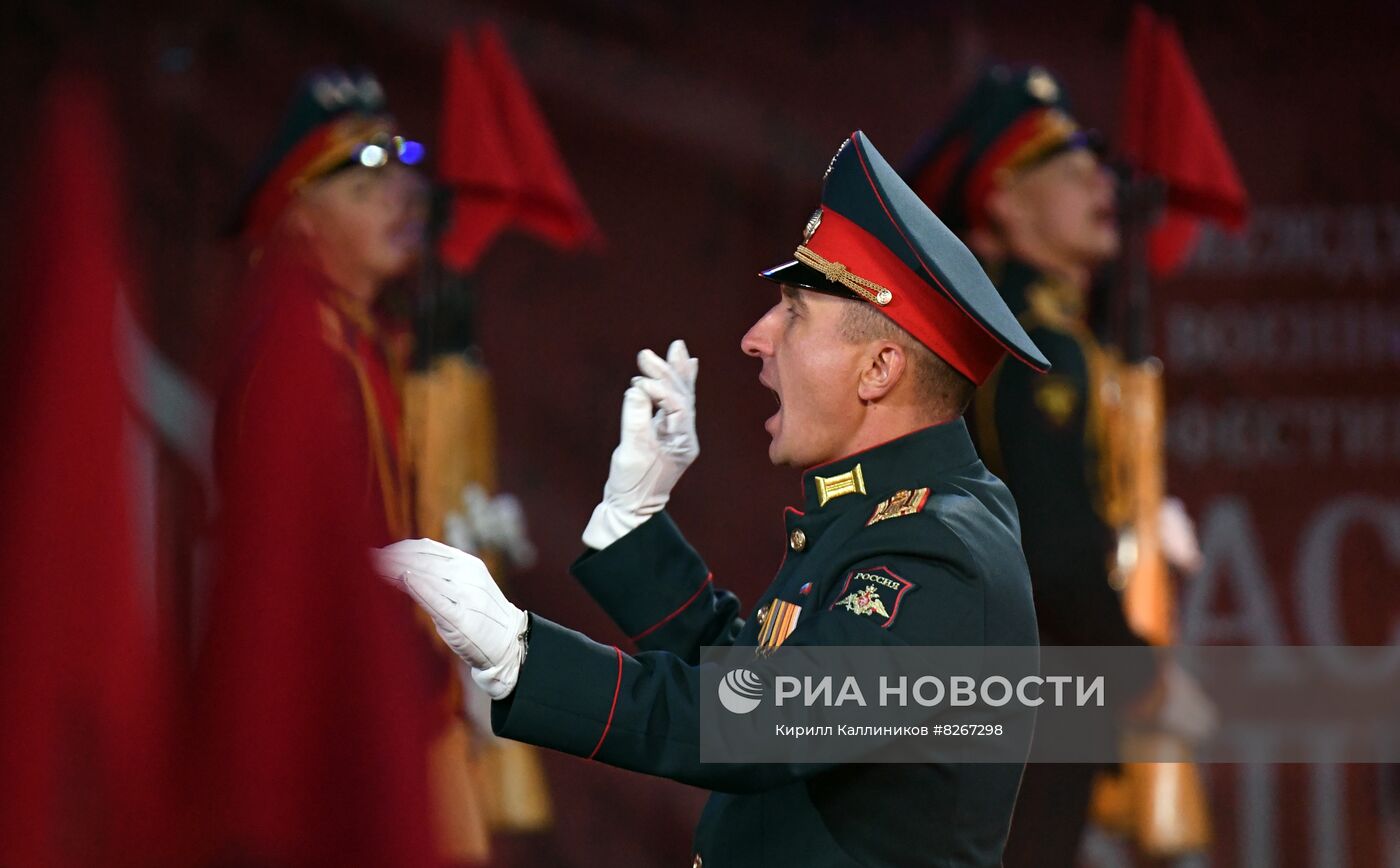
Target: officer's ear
pixel 885 365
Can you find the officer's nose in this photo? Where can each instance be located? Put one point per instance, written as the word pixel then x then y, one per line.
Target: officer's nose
pixel 758 340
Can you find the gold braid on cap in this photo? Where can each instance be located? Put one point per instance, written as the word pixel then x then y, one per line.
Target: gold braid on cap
pixel 838 273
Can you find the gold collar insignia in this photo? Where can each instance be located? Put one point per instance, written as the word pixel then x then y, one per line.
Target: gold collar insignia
pixel 850 482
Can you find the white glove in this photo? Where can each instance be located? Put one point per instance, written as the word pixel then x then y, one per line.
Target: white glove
pixel 472 615
pixel 657 444
pixel 1178 535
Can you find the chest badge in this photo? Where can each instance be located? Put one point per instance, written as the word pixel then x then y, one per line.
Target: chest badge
pixel 873 592
pixel 1057 398
pixel 906 502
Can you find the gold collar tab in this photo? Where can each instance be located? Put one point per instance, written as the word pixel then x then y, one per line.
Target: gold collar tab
pixel 830 487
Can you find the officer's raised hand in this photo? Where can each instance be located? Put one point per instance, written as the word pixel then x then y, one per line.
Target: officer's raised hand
pixel 657 444
pixel 472 615
pixel 670 383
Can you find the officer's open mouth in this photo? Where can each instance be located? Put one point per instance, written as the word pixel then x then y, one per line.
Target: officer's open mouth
pixel 774 389
pixel 770 423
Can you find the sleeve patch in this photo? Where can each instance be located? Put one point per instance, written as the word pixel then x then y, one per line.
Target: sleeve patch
pixel 906 502
pixel 873 592
pixel 1056 397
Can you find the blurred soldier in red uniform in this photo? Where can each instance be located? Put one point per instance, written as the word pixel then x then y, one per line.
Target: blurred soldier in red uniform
pixel 336 213
pixel 309 441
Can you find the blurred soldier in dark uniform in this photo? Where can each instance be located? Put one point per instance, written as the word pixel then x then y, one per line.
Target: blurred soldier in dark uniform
pixel 334 214
pixel 1014 175
pixel 1020 181
pixel 884 324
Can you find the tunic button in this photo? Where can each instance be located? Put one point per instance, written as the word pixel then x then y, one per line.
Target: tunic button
pixel 698 863
pixel 762 615
pixel 798 540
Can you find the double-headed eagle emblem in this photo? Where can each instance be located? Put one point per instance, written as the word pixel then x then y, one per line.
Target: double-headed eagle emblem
pixel 866 602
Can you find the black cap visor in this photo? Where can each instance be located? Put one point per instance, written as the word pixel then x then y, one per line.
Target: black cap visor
pixel 800 274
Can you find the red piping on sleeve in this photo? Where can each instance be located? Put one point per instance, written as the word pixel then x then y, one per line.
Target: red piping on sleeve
pixel 611 711
pixel 709 577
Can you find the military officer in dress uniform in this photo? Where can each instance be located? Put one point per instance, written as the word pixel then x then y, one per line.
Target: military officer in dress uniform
pixel 1020 180
pixel 884 324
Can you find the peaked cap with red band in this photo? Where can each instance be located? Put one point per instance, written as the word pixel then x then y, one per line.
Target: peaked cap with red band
pixel 1011 120
pixel 335 116
pixel 874 240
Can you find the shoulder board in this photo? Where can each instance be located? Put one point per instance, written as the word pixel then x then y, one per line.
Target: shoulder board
pixel 906 502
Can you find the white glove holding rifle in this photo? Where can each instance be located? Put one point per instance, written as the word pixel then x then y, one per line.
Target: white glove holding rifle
pixel 657 444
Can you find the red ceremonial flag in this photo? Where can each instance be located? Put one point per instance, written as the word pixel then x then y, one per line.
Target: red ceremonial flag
pixel 550 206
pixel 82 721
pixel 1169 131
pixel 476 163
pixel 315 707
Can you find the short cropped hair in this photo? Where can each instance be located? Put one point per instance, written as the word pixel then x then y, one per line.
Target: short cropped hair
pixel 938 384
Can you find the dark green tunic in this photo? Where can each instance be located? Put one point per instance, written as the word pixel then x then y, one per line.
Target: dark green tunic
pixel 1042 434
pixel 963 581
